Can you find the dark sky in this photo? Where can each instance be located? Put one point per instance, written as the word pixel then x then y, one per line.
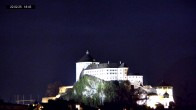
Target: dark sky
pixel 156 38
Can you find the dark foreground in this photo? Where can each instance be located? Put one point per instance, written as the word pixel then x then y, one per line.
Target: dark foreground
pixel 70 105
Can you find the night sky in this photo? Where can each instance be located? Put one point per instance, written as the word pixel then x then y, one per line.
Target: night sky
pixel 156 38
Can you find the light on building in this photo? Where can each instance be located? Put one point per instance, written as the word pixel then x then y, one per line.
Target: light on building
pixel 78 106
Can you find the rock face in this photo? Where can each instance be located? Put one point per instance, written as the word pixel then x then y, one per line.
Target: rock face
pixel 93 91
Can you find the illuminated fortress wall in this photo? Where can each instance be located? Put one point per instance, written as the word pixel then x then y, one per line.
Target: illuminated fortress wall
pixel 105 71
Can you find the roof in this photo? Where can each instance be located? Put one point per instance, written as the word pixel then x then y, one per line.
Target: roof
pixel 105 65
pixel 123 65
pixel 87 58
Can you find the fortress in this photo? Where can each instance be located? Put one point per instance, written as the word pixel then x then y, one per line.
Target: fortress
pixel 106 71
pixel 160 94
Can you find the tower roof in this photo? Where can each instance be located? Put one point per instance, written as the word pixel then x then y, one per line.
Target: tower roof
pixel 123 65
pixel 87 58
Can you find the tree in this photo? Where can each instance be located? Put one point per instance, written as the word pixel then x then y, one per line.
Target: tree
pixel 93 91
pixel 53 89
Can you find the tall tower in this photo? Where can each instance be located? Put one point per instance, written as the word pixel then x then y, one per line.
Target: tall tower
pixel 83 63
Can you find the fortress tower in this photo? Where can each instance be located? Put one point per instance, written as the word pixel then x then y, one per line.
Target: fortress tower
pixel 83 63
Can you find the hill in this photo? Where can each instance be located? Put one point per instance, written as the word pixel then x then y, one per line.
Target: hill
pixel 93 91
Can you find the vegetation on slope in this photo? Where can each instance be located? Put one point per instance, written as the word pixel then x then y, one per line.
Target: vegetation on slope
pixel 93 91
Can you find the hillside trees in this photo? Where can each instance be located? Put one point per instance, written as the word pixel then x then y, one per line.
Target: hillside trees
pixel 53 89
pixel 94 91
